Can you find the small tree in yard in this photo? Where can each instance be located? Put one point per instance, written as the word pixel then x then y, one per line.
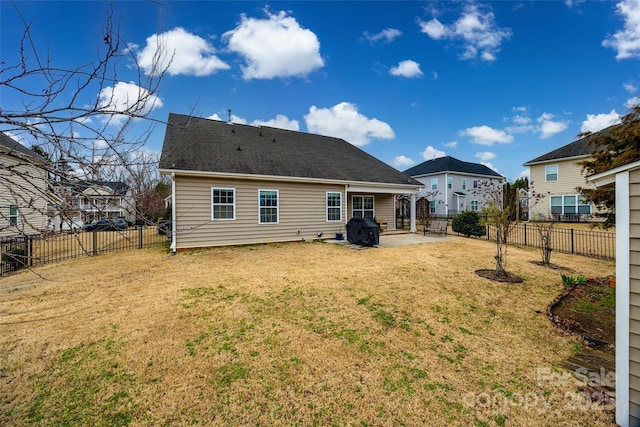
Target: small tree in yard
pixel 468 223
pixel 545 231
pixel 499 216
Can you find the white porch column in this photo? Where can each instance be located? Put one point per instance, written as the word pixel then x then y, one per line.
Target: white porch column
pixel 413 213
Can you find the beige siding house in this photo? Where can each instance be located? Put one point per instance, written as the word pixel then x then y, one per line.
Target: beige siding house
pixel 626 180
pixel 553 181
pixel 452 186
pixel 236 184
pixel 23 190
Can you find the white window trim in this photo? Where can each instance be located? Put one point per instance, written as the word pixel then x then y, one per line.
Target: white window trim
pixel 224 204
pixel 277 206
pixel 333 207
pixel 450 182
pixel 364 195
pixel 434 180
pixel 563 204
pixel 477 206
pixel 464 183
pixel 557 173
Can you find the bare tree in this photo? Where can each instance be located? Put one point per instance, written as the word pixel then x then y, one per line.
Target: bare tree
pixel 91 125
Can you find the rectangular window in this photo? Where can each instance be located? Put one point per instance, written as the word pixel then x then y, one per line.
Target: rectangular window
pixel 464 183
pixel 449 182
pixel 334 207
pixel 13 216
pixel 223 203
pixel 551 173
pixel 362 207
pixel 476 183
pixel 572 204
pixel 434 183
pixel 268 203
pixel 474 205
pixel 432 206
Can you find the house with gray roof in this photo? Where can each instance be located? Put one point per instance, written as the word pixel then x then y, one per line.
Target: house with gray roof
pixel 237 184
pixel 23 189
pixel 452 186
pixel 553 181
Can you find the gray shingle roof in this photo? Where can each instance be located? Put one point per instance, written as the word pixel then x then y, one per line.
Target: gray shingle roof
pixel 578 148
pixel 197 144
pixel 450 164
pixel 15 148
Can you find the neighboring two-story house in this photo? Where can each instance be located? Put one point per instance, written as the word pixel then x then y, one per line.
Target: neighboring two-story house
pixel 93 200
pixel 23 189
pixel 553 181
pixel 453 186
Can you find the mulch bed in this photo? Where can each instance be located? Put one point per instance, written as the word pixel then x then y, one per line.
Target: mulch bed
pixel 492 275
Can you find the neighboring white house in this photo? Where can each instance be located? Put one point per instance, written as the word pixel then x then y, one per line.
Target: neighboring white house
pixel 553 181
pixel 23 189
pixel 626 180
pixel 452 186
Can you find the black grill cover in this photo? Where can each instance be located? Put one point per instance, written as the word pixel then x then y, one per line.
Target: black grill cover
pixel 363 231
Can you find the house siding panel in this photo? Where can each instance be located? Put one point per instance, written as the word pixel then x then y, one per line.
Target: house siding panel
pixel 634 296
pixel 302 213
pixel 23 185
pixel 569 178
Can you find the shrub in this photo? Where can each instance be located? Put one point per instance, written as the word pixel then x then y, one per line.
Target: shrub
pixel 468 223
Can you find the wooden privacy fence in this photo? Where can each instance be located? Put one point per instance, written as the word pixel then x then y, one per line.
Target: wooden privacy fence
pixel 27 251
pixel 598 244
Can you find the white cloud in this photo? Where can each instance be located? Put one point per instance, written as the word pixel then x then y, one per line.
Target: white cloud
pixel 632 102
pixel 126 99
pixel 387 35
pixel 490 166
pixel 402 162
pixel 485 155
pixel 630 87
pixel 407 68
pixel 476 29
pixel 485 135
pixel 431 153
pixel 596 122
pixel 280 122
pixel 275 47
pixel 627 41
pixel 344 121
pixel 179 52
pixel 234 119
pixel 549 127
pixel 451 144
pixel 524 174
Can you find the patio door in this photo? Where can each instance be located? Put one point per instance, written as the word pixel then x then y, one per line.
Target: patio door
pixel 362 207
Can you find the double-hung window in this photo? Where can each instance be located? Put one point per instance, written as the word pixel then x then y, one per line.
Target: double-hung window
pixel 362 207
pixel 434 183
pixel 464 183
pixel 449 182
pixel 551 173
pixel 268 207
pixel 13 216
pixel 474 206
pixel 223 204
pixel 432 206
pixel 334 207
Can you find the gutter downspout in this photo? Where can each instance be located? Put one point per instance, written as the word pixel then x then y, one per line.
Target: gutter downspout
pixel 446 194
pixel 173 212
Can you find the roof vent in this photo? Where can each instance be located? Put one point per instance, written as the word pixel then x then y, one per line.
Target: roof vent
pixel 239 149
pixel 260 133
pixel 274 140
pixel 233 130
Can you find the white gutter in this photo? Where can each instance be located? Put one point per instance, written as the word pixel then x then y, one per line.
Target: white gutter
pixel 376 187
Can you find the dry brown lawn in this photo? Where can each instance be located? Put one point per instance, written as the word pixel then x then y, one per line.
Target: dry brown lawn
pixel 290 334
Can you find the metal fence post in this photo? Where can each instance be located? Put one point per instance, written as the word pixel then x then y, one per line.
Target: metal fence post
pixel 95 242
pixel 525 233
pixel 139 237
pixel 572 247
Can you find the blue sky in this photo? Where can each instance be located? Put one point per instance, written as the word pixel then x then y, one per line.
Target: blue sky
pixel 498 83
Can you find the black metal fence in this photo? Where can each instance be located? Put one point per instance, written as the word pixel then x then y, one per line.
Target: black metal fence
pixel 598 244
pixel 28 251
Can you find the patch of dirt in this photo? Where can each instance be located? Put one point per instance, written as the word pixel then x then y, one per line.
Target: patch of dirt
pixel 550 265
pixel 491 275
pixel 588 310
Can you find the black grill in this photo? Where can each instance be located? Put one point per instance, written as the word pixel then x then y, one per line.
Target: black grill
pixel 363 231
